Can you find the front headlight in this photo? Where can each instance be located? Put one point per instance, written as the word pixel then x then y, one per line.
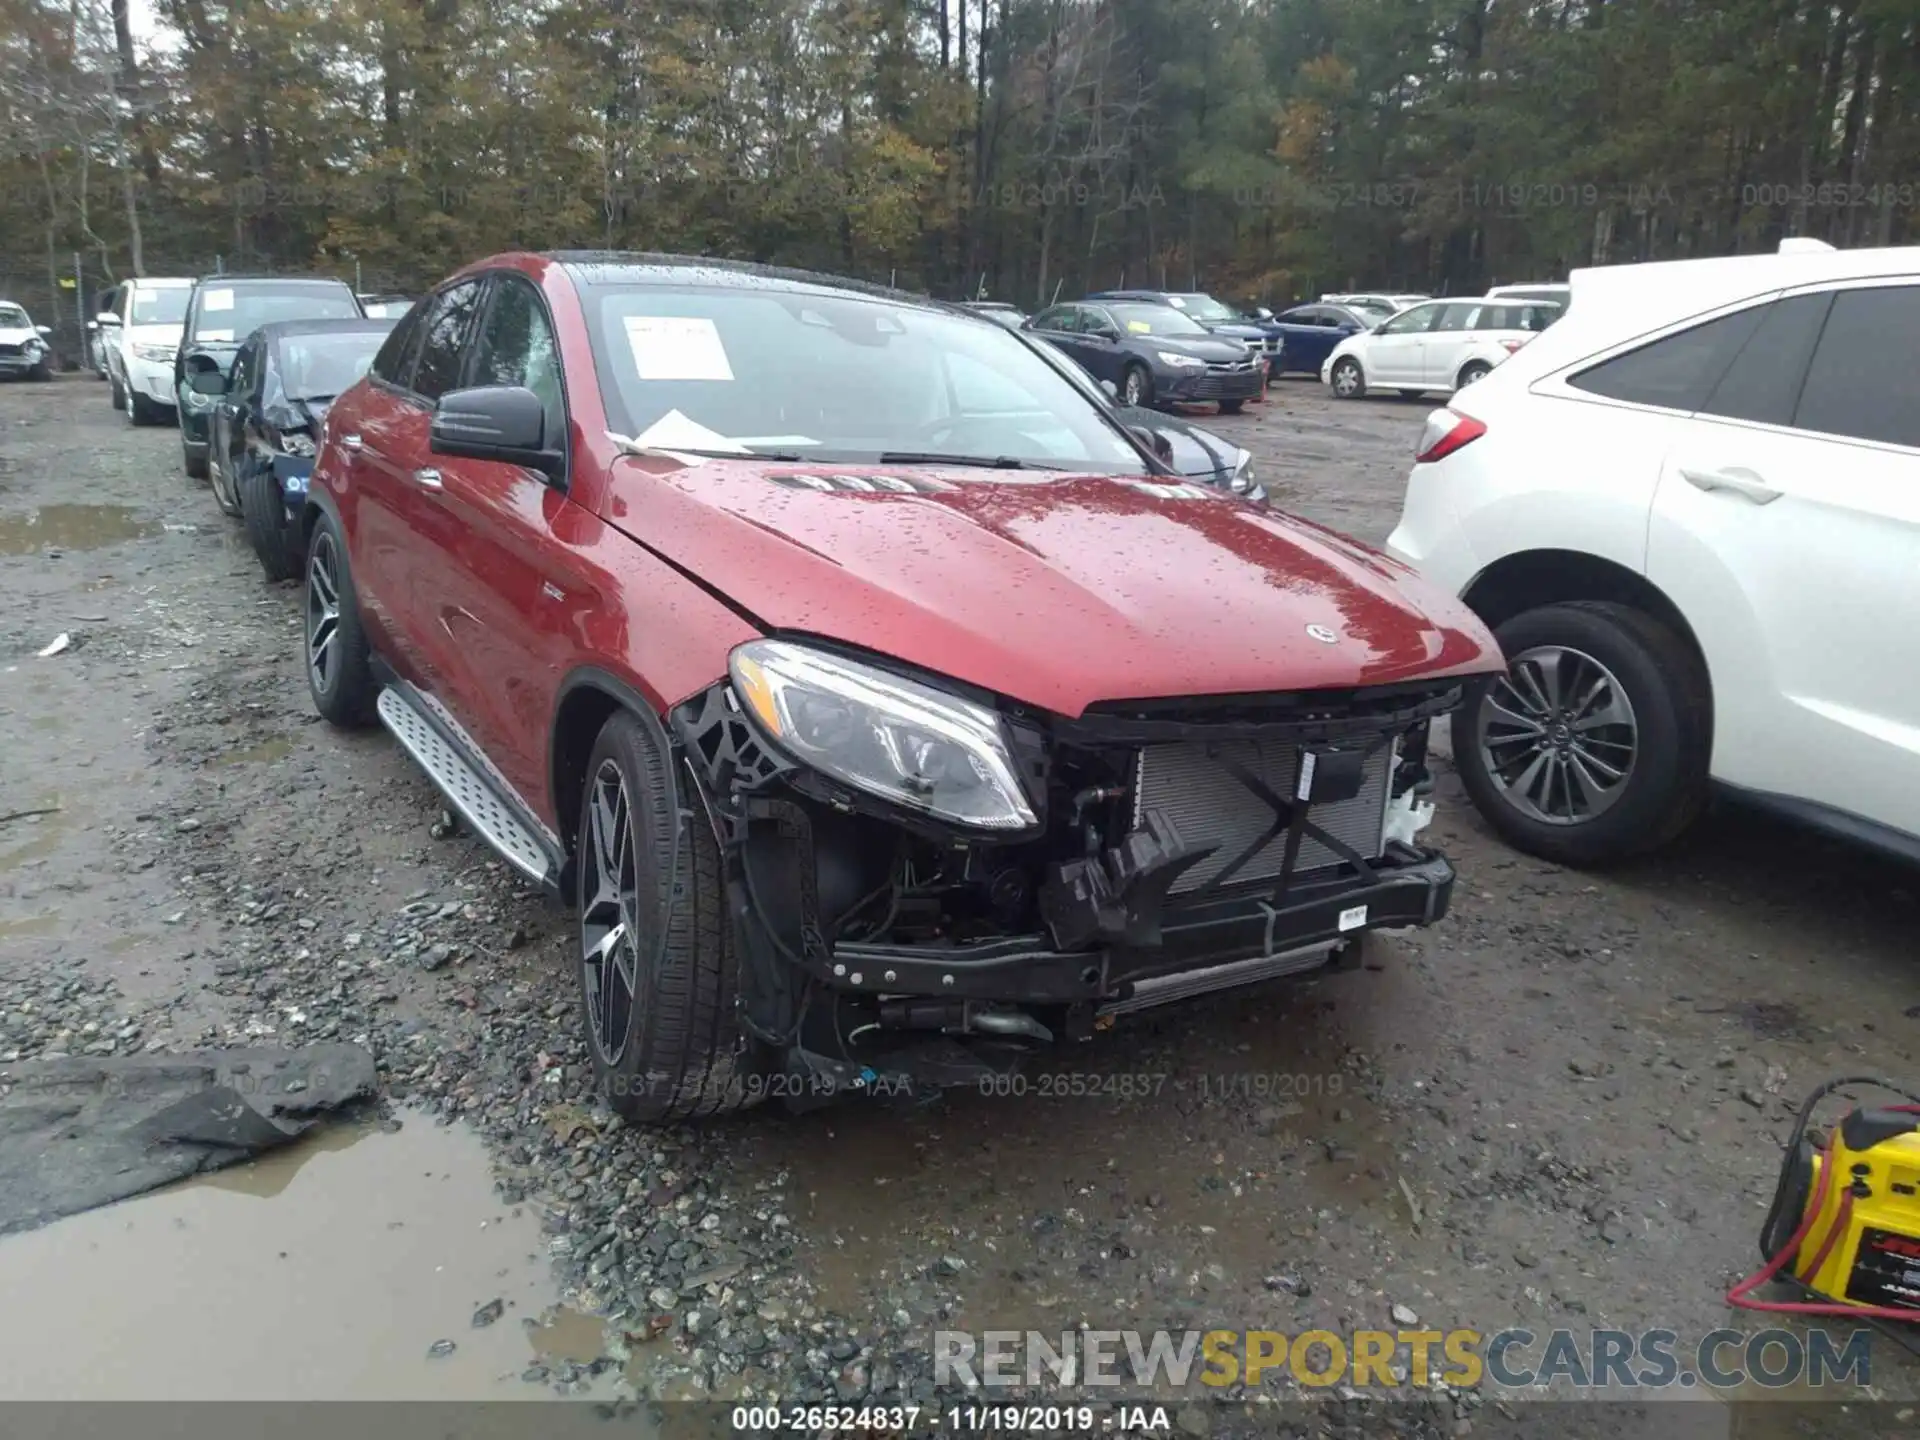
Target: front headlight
pixel 195 400
pixel 153 354
pixel 882 733
pixel 297 444
pixel 1180 362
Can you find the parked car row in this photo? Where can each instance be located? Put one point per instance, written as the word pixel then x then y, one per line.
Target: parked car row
pixel 245 366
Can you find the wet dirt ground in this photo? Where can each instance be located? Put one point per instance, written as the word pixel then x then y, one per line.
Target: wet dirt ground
pixel 1561 1107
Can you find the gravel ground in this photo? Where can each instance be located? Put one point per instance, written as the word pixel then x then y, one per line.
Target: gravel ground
pixel 1563 1106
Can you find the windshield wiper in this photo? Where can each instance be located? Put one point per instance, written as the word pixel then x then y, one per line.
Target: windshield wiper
pixel 978 462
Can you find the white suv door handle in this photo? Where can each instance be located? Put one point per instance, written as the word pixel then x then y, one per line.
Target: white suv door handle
pixel 1740 481
pixel 428 479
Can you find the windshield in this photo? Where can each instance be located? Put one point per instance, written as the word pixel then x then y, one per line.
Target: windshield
pixel 161 307
pixel 1139 318
pixel 12 317
pixel 836 377
pixel 317 367
pixel 1204 307
pixel 232 312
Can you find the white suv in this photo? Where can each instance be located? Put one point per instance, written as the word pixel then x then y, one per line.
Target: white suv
pixel 139 336
pixel 1691 513
pixel 1436 345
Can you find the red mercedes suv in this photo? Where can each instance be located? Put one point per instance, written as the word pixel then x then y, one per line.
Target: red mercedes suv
pixel 883 704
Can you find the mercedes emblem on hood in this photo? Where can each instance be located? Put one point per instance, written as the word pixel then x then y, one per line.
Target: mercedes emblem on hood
pixel 1322 634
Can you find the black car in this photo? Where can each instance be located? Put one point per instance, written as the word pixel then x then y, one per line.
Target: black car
pixel 1218 316
pixel 224 310
pixel 1197 454
pixel 1183 447
pixel 1153 354
pixel 999 311
pixel 266 418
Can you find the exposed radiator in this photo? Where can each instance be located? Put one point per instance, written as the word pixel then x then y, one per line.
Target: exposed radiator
pixel 1209 806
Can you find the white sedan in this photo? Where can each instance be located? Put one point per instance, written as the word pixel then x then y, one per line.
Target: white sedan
pixel 1441 345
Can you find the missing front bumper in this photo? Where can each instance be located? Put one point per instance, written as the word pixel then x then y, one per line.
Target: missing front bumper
pixel 1410 887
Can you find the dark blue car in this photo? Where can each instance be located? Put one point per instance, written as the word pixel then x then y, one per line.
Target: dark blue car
pixel 1153 354
pixel 1312 331
pixel 1216 315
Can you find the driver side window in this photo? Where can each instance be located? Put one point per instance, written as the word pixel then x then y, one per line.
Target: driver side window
pixel 516 347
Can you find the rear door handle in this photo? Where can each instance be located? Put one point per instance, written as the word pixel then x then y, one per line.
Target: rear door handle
pixel 1740 481
pixel 428 479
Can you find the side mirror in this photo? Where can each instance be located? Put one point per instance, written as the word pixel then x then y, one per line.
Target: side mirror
pixel 1260 312
pixel 1154 441
pixel 107 317
pixel 496 422
pixel 44 329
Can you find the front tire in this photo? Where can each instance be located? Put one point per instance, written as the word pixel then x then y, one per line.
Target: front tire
pixel 1136 387
pixel 116 394
pixel 194 465
pixel 1594 747
pixel 265 511
pixel 140 410
pixel 659 979
pixel 339 673
pixel 1348 381
pixel 1232 407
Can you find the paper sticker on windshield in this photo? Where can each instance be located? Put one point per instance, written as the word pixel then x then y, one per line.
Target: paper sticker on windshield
pixel 677 347
pixel 1139 327
pixel 217 300
pixel 1176 302
pixel 675 430
pixel 220 335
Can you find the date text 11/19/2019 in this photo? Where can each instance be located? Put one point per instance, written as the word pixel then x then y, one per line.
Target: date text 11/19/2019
pixel 980 1419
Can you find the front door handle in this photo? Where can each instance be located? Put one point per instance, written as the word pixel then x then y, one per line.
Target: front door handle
pixel 428 479
pixel 350 442
pixel 1739 480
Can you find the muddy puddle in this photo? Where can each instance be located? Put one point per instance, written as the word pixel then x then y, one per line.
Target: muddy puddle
pixel 72 527
pixel 1183 1169
pixel 335 1269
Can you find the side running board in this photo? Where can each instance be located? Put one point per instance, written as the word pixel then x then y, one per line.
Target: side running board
pixel 472 798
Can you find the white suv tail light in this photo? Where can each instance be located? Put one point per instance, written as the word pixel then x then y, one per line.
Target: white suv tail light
pixel 1446 432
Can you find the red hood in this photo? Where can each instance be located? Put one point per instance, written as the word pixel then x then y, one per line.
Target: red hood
pixel 1057 590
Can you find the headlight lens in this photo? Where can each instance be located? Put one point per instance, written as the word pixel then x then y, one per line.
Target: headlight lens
pixel 154 354
pixel 884 734
pixel 195 400
pixel 1179 362
pixel 297 444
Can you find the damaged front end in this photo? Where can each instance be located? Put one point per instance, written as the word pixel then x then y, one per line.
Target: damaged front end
pixel 290 430
pixel 927 884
